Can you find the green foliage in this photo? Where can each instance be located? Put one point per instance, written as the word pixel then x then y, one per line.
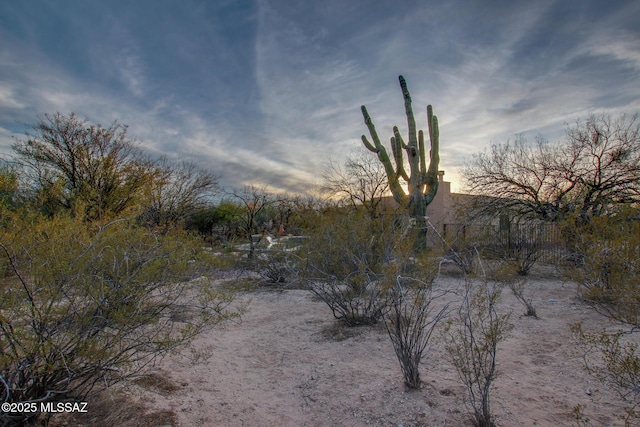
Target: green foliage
pixel 8 185
pixel 615 361
pixel 607 263
pixel 220 222
pixel 83 307
pixel 344 261
pixel 201 220
pixel 93 171
pixel 606 266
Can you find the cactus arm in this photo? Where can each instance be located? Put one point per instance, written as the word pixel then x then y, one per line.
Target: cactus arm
pixel 413 153
pixel 397 153
pixel 423 164
pixel 434 154
pixel 372 129
pixel 422 181
pixel 397 144
pixel 394 183
pixel 368 145
pixel 411 122
pixel 434 132
pixel 431 180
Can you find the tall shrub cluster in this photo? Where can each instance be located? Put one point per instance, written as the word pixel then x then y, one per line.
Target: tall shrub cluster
pixel 606 267
pixel 90 294
pixel 343 264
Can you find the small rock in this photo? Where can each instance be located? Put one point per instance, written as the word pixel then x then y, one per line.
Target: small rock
pixel 447 392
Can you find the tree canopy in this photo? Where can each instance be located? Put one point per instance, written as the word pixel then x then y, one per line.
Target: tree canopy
pixel 76 164
pixel 595 168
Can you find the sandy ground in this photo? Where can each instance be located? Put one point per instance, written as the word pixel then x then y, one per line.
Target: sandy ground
pixel 288 363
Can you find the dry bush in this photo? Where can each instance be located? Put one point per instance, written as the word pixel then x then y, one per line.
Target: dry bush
pixel 607 265
pixel 508 274
pixel 595 167
pixel 84 308
pixel 518 289
pixel 472 344
pixel 275 267
pixel 608 272
pixel 463 258
pixel 343 264
pixel 157 382
pixel 339 331
pixel 275 273
pixel 524 245
pixel 411 320
pixel 614 360
pixel 463 244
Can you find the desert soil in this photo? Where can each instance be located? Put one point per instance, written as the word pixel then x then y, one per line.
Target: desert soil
pixel 289 363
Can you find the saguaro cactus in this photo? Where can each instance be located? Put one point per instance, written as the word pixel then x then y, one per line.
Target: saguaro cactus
pixel 421 182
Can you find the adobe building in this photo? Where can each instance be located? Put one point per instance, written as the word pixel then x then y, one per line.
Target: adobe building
pixel 441 210
pixel 444 212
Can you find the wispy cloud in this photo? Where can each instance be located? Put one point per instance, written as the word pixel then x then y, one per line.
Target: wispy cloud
pixel 267 91
pixel 9 98
pixel 118 56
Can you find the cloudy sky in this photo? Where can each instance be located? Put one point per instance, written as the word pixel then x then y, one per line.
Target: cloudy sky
pixel 267 91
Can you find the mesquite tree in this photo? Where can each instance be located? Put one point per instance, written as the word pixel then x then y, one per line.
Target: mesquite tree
pixel 75 165
pixel 421 182
pixel 593 170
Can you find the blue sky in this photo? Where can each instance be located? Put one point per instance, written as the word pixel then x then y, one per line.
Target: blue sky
pixel 267 91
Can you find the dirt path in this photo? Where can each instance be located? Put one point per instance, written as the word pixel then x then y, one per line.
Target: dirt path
pixel 289 364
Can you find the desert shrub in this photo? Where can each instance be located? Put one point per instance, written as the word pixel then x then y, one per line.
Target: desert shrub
pixel 614 360
pixel 518 287
pixel 343 262
pixel 90 170
pixel 274 272
pixel 463 258
pixel 472 344
pixel 607 270
pixel 411 320
pixel 82 308
pixel 524 245
pixel 274 266
pixel 509 275
pixel 464 243
pixel 607 264
pixel 519 241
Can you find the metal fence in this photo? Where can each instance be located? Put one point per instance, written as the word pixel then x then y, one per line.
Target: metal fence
pixel 505 240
